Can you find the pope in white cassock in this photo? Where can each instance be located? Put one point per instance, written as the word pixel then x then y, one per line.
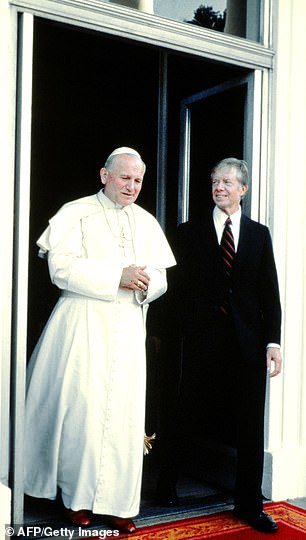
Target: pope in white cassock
pixel 85 401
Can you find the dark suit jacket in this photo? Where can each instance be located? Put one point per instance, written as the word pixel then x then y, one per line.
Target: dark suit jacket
pixel 201 285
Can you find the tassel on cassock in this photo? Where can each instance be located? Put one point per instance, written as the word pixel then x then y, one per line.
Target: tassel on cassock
pixel 147 443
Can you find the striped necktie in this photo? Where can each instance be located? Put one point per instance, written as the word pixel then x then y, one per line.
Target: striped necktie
pixel 227 246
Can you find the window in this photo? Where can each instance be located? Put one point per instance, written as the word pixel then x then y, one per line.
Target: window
pixel 239 18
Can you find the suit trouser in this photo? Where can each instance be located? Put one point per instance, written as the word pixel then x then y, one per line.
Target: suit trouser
pixel 222 398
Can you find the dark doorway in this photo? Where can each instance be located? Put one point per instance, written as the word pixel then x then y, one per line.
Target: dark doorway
pixel 92 93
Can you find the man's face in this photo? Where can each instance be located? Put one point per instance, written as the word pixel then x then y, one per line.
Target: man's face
pixel 123 183
pixel 227 190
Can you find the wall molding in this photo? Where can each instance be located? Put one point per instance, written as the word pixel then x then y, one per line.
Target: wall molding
pixel 144 27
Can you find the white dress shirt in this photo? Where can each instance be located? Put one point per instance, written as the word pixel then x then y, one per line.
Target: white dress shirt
pixel 220 218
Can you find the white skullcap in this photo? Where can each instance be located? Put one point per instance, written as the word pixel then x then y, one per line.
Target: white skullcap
pixel 124 150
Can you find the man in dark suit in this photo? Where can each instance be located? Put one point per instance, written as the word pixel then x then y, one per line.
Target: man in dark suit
pixel 227 302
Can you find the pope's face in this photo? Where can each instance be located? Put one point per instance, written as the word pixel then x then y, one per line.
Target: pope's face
pixel 122 184
pixel 227 190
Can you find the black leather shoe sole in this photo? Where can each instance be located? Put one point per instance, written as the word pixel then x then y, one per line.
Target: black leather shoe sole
pixel 261 522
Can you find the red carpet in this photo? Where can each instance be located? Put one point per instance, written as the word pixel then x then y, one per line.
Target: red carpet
pixel 290 519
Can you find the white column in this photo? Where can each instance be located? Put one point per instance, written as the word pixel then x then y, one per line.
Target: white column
pixel 142 5
pixel 285 471
pixel 21 251
pixel 8 20
pixel 235 23
pixel 5 509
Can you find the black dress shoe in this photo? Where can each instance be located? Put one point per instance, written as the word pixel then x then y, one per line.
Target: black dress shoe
pixel 260 522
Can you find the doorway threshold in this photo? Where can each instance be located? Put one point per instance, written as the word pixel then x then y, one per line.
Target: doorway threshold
pixel 195 499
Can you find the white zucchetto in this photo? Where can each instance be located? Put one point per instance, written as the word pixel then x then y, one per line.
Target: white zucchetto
pixel 124 150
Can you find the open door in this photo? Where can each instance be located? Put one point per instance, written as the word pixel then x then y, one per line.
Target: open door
pixel 213 125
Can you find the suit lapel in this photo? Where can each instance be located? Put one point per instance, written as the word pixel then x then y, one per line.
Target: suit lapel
pixel 210 236
pixel 245 236
pixel 205 241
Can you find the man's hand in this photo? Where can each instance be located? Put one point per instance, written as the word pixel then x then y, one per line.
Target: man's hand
pixel 134 278
pixel 274 355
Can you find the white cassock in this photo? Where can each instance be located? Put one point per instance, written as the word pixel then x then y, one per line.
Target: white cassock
pixel 85 402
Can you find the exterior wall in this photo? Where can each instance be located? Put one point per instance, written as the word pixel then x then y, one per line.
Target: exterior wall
pixel 5 511
pixel 285 472
pixel 143 5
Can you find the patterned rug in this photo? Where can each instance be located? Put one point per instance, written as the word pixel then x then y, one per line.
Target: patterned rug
pixel 223 525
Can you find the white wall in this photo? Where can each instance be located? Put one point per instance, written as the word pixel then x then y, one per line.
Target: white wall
pixel 285 472
pixel 5 509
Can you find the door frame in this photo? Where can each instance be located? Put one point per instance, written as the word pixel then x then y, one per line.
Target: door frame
pixel 121 22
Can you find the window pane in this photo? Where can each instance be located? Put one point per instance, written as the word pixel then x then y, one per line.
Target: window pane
pixel 236 17
pixel 239 18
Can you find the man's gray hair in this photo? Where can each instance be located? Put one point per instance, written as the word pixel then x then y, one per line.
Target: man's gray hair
pixel 239 165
